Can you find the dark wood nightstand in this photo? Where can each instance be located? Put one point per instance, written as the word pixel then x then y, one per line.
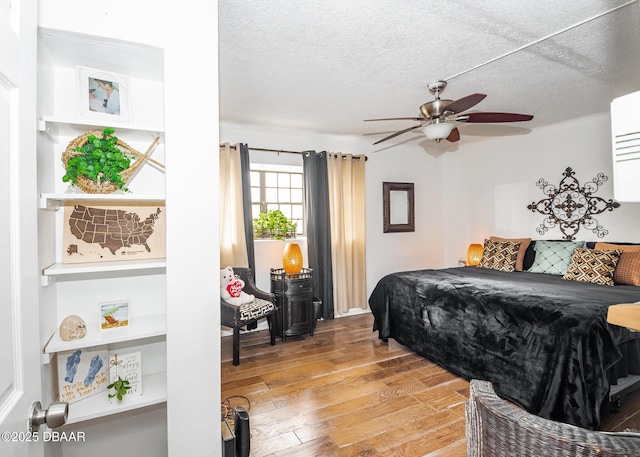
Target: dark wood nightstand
pixel 294 301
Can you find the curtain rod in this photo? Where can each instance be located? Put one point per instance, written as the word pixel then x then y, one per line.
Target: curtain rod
pixel 233 146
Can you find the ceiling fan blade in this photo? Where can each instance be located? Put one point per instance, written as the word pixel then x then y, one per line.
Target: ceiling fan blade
pixel 454 135
pixel 398 133
pixel 493 117
pixel 464 103
pixel 398 119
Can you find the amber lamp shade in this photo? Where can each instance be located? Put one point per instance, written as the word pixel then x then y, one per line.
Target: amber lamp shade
pixel 474 254
pixel 292 258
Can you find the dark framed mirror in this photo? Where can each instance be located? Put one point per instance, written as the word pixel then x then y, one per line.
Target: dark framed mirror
pixel 398 207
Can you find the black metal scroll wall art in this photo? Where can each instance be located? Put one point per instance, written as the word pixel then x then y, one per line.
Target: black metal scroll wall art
pixel 569 205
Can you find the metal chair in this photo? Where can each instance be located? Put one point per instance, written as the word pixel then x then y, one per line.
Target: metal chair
pixel 237 316
pixel 498 428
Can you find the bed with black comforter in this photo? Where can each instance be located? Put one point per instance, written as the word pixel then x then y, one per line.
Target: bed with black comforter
pixel 544 342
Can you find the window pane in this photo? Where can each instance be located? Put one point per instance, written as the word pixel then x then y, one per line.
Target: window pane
pixel 284 195
pixel 278 187
pixel 271 194
pixel 296 212
pixel 283 180
pixel 286 210
pixel 271 179
pixel 296 180
pixel 296 195
pixel 255 178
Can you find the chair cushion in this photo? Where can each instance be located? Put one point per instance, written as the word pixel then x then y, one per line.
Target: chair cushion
pixel 255 310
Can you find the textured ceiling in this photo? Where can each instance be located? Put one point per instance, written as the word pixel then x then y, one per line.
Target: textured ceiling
pixel 326 65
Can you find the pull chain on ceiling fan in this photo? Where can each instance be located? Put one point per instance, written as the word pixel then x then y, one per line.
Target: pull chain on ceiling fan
pixel 435 116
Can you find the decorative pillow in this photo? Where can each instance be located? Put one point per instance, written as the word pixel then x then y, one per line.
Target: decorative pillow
pixel 592 265
pixel 628 269
pixel 529 256
pixel 524 244
pixel 553 257
pixel 500 255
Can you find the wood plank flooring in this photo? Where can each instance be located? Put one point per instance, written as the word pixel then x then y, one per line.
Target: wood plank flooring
pixel 343 392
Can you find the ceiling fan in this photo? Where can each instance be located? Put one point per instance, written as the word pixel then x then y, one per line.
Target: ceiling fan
pixel 435 119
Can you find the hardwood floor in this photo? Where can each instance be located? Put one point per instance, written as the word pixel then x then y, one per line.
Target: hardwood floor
pixel 343 392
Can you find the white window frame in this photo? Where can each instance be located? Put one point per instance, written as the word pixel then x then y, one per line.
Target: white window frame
pixel 263 168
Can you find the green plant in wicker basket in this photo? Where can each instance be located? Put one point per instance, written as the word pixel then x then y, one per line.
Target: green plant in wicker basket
pixel 273 224
pixel 99 159
pixel 120 387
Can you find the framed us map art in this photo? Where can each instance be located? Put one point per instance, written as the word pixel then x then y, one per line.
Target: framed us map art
pixel 102 233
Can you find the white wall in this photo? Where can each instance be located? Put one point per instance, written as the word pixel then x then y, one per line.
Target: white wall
pixel 469 193
pixel 386 252
pixel 489 184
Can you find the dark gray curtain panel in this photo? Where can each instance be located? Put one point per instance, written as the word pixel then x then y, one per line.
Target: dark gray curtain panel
pixel 318 228
pixel 246 205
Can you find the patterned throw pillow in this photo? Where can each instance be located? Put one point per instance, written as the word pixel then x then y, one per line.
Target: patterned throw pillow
pixel 524 244
pixel 500 255
pixel 553 257
pixel 594 266
pixel 628 269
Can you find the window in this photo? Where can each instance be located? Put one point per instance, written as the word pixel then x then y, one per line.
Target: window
pixel 278 187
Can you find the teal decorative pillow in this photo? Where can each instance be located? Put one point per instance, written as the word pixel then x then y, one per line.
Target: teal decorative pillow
pixel 554 257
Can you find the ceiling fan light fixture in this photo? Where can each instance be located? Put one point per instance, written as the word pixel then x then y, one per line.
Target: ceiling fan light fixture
pixel 438 131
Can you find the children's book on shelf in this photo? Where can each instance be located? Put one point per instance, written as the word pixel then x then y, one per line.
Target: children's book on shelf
pixel 82 373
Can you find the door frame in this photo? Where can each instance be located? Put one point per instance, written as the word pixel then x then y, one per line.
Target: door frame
pixel 18 78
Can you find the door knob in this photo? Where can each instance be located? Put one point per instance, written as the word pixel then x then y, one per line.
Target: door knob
pixel 54 417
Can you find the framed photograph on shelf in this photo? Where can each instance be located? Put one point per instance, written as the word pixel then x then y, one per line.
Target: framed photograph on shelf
pixel 103 95
pixel 115 314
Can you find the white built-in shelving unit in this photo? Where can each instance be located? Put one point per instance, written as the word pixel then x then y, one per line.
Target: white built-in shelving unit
pixel 79 288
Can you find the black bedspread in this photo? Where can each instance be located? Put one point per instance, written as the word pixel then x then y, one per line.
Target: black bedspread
pixel 543 341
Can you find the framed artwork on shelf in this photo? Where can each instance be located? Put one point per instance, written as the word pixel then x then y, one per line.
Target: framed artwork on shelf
pixel 122 231
pixel 82 373
pixel 127 367
pixel 103 95
pixel 115 314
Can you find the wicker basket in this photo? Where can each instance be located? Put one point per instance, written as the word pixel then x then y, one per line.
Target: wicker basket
pixel 104 186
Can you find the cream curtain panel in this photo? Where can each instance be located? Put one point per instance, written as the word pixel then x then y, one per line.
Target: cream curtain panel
pixel 233 246
pixel 346 174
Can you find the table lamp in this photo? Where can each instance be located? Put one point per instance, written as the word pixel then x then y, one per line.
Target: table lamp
pixel 292 258
pixel 474 254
